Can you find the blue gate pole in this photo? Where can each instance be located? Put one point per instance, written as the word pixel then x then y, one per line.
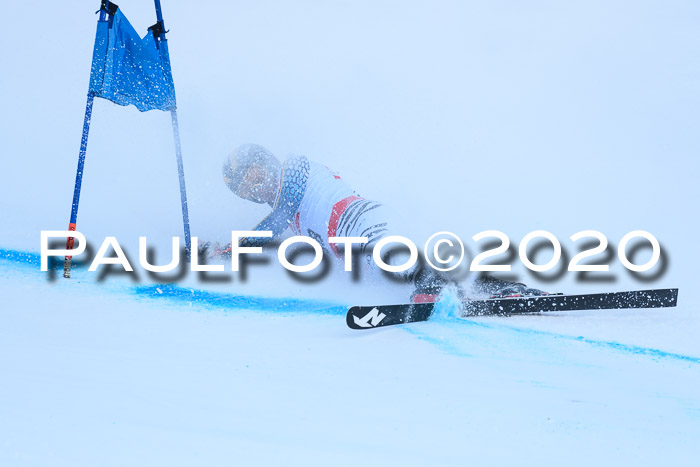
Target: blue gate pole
pixel 176 136
pixel 78 182
pixel 67 261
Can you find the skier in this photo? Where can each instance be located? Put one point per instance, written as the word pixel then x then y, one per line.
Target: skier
pixel 314 201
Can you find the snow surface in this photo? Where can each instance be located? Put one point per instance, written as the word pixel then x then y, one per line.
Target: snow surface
pixel 462 116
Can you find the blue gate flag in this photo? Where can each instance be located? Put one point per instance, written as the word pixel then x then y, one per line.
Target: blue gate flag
pixel 127 69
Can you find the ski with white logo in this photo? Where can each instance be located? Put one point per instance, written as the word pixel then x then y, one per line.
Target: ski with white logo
pixel 369 317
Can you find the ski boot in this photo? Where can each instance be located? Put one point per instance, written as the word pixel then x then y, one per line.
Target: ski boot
pixel 496 288
pixel 429 284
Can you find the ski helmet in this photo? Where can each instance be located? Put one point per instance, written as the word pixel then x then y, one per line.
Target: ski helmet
pixel 245 157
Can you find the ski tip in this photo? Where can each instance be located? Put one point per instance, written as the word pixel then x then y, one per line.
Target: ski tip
pixel 370 317
pixel 363 317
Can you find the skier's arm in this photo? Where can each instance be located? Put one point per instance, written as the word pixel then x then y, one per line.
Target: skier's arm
pixel 277 221
pixel 295 173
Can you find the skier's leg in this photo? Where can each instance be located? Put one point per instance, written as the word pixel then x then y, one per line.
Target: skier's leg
pixel 375 221
pixel 428 284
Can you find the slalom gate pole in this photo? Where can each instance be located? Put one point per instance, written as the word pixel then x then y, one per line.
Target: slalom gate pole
pixel 67 261
pixel 181 176
pixel 78 182
pixel 176 137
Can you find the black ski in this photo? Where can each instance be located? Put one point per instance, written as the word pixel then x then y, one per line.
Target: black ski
pixel 368 317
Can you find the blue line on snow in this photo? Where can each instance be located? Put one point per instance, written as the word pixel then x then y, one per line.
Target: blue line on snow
pixel 20 256
pixel 239 302
pixel 633 349
pixel 443 316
